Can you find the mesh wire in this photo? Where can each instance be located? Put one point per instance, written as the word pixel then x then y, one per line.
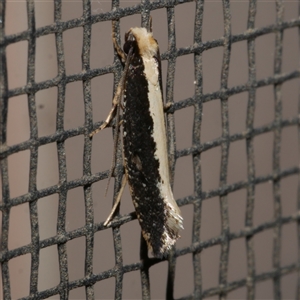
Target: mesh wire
pixel 60 136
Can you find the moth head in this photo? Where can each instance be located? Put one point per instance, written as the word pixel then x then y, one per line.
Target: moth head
pixel 141 41
pixel 130 42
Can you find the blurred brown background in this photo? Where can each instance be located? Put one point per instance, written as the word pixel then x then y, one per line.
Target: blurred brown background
pixel 102 55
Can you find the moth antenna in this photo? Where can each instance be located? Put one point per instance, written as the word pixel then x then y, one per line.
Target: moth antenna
pixel 113 163
pixel 149 26
pixel 118 199
pixel 115 42
pixel 116 107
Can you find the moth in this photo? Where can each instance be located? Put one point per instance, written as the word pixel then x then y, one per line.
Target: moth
pixel 144 141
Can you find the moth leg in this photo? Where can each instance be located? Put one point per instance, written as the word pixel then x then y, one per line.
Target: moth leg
pixel 116 102
pixel 118 199
pixel 167 106
pixel 117 98
pixel 107 121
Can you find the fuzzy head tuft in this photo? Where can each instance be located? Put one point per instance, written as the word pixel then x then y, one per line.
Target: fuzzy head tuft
pixel 146 44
